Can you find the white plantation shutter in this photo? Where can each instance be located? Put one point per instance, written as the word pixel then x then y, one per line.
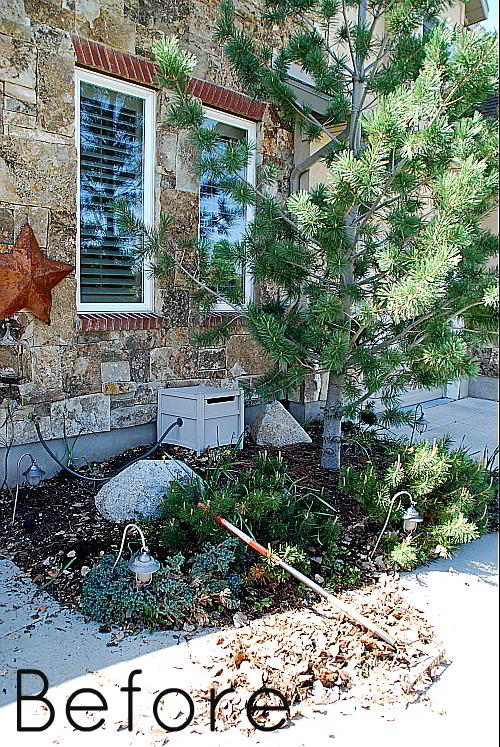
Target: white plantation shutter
pixel 112 166
pixel 220 217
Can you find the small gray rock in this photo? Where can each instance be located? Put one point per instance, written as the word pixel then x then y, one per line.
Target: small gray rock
pixel 139 490
pixel 276 427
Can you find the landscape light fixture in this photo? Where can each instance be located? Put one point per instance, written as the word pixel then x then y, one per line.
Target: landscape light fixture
pixel 421 424
pixel 142 564
pixel 411 519
pixel 33 476
pixel 10 339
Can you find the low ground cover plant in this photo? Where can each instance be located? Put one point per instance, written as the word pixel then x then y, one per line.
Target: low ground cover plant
pixel 199 590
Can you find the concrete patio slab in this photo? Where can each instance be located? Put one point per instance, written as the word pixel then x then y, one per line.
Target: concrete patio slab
pixel 471 422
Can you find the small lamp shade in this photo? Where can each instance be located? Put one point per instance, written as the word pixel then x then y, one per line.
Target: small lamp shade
pixel 34 474
pixel 411 519
pixel 10 334
pixel 421 424
pixel 143 565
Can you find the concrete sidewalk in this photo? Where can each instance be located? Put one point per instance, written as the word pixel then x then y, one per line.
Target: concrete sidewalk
pixel 471 422
pixel 459 596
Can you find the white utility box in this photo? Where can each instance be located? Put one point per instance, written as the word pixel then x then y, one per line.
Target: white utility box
pixel 212 416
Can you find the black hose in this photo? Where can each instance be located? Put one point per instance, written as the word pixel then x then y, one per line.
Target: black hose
pixel 179 422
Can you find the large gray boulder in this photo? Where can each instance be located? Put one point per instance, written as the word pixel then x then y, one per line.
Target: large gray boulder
pixel 139 490
pixel 274 426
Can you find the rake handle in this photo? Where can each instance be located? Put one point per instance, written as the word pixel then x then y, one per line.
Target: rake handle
pixel 345 608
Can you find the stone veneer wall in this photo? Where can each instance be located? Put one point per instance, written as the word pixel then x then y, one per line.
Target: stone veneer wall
pixel 98 381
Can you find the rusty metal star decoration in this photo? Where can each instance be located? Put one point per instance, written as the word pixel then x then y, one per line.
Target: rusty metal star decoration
pixel 27 278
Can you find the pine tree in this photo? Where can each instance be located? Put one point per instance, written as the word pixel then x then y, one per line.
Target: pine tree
pixel 379 276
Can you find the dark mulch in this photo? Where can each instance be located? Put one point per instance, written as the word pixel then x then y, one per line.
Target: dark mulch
pixel 57 524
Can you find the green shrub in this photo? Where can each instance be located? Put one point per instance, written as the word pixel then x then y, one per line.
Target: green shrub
pixel 265 502
pixel 404 554
pixel 456 495
pixel 175 595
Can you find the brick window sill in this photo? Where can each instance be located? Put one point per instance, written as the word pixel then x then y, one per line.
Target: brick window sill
pixel 101 321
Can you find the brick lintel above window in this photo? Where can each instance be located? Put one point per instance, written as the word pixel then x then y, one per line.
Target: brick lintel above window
pixel 99 57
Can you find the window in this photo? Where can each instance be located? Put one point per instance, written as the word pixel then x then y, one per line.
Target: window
pixel 115 143
pixel 220 217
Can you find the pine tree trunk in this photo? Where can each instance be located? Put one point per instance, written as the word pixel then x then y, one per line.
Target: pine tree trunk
pixel 332 427
pixel 330 456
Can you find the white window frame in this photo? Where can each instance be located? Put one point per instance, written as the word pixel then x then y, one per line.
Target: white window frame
pixel 251 130
pixel 149 98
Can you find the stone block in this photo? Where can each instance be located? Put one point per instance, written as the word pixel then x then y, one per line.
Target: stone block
pixel 14 105
pixel 17 62
pixel 126 417
pixel 159 12
pixel 147 393
pixel 37 173
pixel 109 28
pixel 113 349
pixel 166 150
pixel 20 93
pixel 89 9
pixel 38 218
pixel 62 235
pixel 186 178
pixel 143 339
pixel 33 133
pixel 55 40
pixel 61 330
pixel 115 371
pixel 139 365
pixel 81 370
pixel 211 359
pixel 6 226
pixel 50 14
pixel 175 307
pixel 178 336
pixel 86 10
pixel 46 367
pixel 119 389
pixel 86 414
pixel 185 207
pixel 12 10
pixel 167 363
pixel 56 83
pixel 19 119
pixel 32 394
pixel 15 30
pixel 248 355
pixel 24 427
pixel 166 180
pixel 144 39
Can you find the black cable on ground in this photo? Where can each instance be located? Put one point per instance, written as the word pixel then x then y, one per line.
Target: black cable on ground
pixel 178 422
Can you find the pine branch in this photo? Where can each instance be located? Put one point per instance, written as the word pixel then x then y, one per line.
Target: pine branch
pixel 327 47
